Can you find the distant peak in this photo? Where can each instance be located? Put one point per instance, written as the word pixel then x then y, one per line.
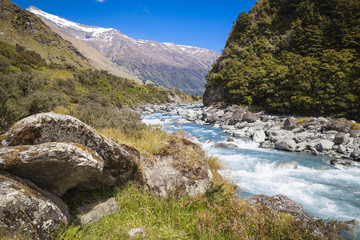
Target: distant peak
pixel 62 22
pixel 33 8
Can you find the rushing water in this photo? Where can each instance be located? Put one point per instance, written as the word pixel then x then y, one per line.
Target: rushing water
pixel 325 191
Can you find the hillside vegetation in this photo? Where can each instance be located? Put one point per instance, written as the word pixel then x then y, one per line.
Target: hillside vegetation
pixel 292 56
pixel 41 72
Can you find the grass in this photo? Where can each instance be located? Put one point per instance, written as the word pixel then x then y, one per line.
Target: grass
pixel 219 214
pixel 148 141
pixel 216 215
pixel 355 126
pixel 300 121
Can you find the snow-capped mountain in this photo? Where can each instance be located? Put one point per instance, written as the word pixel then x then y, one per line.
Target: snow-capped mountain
pixel 165 64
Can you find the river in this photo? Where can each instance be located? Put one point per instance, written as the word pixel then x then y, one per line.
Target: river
pixel 325 191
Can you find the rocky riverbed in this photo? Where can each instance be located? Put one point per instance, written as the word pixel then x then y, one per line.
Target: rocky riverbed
pixel 333 138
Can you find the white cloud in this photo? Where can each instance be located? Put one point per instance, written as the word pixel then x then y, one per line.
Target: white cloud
pixel 100 1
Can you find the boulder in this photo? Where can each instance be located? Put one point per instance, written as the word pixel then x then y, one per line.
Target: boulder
pixel 281 203
pixel 267 144
pixel 312 124
pixel 286 145
pixel 93 212
pixel 186 135
pixel 120 160
pixel 277 135
pixel 324 145
pixel 343 162
pixel 28 210
pixel 355 155
pixel 166 176
pixel 57 167
pixel 182 112
pixel 341 149
pixel 303 136
pixel 340 125
pixel 264 118
pixel 209 140
pixel 301 146
pixel 237 117
pixel 259 136
pixel 355 133
pixel 286 165
pixel 250 117
pixel 230 139
pixel 225 145
pixel 290 124
pixel 339 138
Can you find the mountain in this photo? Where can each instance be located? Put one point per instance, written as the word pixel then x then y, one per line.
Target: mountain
pixel 42 72
pixel 165 64
pixel 292 56
pixel 19 27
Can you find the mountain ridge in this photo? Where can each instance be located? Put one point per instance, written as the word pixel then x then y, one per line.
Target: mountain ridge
pixel 166 64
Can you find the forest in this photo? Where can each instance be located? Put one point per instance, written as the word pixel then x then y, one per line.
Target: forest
pixel 292 57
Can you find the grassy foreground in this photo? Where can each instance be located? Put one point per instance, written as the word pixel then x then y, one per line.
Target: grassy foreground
pixel 219 214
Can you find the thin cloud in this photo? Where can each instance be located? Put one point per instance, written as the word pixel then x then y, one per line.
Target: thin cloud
pixel 101 1
pixel 142 7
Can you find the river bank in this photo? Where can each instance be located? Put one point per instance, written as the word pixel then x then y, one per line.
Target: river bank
pixel 333 138
pixel 325 190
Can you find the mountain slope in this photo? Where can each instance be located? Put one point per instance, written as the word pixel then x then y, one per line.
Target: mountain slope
pixel 289 56
pixel 95 58
pixel 23 28
pixel 165 64
pixel 41 72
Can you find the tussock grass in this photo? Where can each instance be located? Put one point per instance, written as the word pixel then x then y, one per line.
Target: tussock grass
pixel 355 126
pixel 147 140
pixel 300 121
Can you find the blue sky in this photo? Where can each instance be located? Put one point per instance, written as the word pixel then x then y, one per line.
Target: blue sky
pixel 188 22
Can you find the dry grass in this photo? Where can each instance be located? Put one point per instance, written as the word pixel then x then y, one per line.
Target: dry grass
pixel 355 126
pixel 148 140
pixel 300 121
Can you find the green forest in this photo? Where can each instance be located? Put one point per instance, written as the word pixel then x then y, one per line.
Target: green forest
pixel 292 56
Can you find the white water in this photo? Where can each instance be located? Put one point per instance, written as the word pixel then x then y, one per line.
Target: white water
pixel 325 191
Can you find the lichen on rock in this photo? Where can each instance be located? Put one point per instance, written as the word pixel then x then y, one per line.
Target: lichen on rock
pixel 57 167
pixel 120 160
pixel 28 210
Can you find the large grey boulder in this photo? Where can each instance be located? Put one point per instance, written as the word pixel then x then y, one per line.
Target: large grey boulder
pixel 172 175
pixel 57 167
pixel 26 209
pixel 324 145
pixel 355 133
pixel 250 117
pixel 286 165
pixel 184 134
pixel 281 203
pixel 120 160
pixel 355 155
pixel 340 125
pixel 278 135
pixel 225 145
pixel 259 136
pixel 237 117
pixel 286 145
pixel 303 136
pixel 290 124
pixel 93 212
pixel 339 138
